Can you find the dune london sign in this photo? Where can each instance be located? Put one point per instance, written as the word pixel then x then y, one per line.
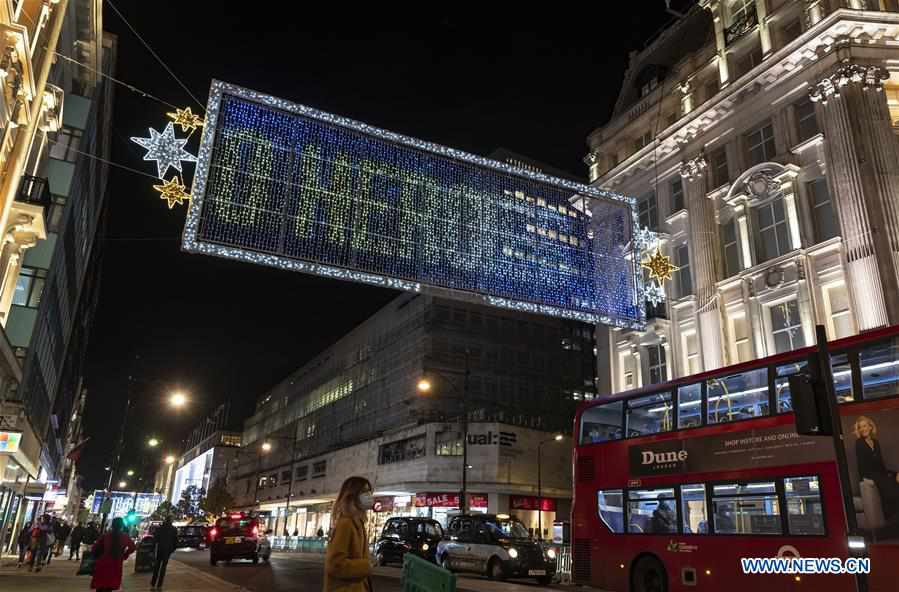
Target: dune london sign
pixel 287 186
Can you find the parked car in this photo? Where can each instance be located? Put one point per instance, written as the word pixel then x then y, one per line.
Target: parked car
pixel 235 536
pixel 419 536
pixel 497 546
pixel 194 536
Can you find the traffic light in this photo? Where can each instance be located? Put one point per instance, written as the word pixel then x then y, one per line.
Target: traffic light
pixel 131 518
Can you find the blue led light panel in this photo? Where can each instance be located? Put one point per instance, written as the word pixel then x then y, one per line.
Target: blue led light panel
pixel 288 186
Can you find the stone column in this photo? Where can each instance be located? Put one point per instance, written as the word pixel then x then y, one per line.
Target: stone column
pixel 863 176
pixel 761 12
pixel 717 10
pixel 705 253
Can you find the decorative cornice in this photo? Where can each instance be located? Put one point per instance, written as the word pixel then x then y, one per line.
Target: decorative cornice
pixel 694 168
pixel 592 158
pixel 868 75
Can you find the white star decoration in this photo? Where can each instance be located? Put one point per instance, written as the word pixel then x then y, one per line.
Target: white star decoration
pixel 654 293
pixel 165 149
pixel 645 239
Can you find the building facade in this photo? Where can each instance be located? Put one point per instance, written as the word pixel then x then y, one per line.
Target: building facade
pixel 56 121
pixel 515 371
pixel 759 138
pixel 204 464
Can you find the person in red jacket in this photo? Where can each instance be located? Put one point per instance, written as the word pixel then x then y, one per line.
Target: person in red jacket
pixel 111 551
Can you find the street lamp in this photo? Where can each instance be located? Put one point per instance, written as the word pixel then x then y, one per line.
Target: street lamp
pixel 169 459
pixel 122 485
pixel 178 400
pixel 556 438
pixel 130 473
pixel 266 447
pixel 425 386
pixel 153 442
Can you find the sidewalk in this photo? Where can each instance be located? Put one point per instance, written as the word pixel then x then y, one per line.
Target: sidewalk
pixel 60 576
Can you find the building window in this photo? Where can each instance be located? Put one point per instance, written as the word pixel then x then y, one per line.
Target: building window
pixel 319 468
pixel 742 345
pixel 806 121
pixel 760 143
pixel 691 353
pixel 401 450
pixel 731 246
pixel 29 287
pixel 302 472
pixel 838 308
pixel 710 88
pixel 750 60
pixel 822 210
pixel 65 146
pixel 786 327
pixel 773 230
pixel 740 10
pixel 449 444
pixel 643 140
pixel 658 369
pixel 649 87
pixel 54 215
pixel 677 195
pixel 718 165
pixel 791 31
pixel 647 208
pixel 682 260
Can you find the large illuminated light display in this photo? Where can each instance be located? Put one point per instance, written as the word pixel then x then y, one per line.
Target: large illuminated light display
pixel 288 186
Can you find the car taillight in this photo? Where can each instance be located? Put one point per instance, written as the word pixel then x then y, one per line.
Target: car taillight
pixel 255 531
pixel 212 533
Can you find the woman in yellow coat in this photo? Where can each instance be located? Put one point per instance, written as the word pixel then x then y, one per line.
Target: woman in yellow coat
pixel 347 565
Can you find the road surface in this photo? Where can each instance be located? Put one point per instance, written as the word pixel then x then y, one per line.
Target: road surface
pixel 290 572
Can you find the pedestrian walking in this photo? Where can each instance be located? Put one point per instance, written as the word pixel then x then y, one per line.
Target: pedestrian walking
pixel 51 542
pixel 347 563
pixel 24 541
pixel 91 534
pixel 321 533
pixel 111 551
pixel 165 539
pixel 62 536
pixel 75 542
pixel 38 543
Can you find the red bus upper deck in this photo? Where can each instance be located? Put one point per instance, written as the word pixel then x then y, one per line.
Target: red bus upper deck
pixel 674 483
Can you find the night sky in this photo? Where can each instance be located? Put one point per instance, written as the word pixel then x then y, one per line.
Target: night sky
pixel 223 330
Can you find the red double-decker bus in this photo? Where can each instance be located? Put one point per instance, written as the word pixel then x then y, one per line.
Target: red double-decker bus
pixel 675 483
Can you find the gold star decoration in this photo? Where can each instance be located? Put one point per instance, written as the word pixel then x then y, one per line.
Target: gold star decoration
pixel 173 191
pixel 188 120
pixel 659 266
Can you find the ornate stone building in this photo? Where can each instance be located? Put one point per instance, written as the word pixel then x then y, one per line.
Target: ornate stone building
pixel 760 140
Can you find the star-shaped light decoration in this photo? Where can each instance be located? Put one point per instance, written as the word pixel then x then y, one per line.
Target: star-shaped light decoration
pixel 654 293
pixel 659 266
pixel 645 239
pixel 165 149
pixel 173 191
pixel 188 120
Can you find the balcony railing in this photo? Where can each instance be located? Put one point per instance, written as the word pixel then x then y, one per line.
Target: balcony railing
pixel 35 191
pixel 740 26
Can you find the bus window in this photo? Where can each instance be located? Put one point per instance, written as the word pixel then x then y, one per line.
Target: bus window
pixel 649 415
pixel 611 509
pixel 782 384
pixel 746 508
pixel 651 511
pixel 689 406
pixel 601 423
pixel 842 377
pixel 880 370
pixel 693 512
pixel 738 396
pixel 804 512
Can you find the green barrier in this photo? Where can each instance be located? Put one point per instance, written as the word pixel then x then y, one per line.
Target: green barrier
pixel 423 576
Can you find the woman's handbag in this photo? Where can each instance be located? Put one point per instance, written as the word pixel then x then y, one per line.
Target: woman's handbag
pixel 88 561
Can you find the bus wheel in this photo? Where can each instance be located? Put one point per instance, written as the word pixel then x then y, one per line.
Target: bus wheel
pixel 649 576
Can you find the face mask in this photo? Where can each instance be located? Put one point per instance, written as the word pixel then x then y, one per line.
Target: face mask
pixel 366 501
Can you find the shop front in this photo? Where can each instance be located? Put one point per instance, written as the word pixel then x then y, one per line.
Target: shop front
pixel 441 506
pixel 534 512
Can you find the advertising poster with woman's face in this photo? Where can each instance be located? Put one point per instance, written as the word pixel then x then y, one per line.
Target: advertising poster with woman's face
pixel 872 452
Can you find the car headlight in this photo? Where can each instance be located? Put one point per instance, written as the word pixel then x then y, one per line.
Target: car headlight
pixel 513 553
pixel 425 547
pixel 551 553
